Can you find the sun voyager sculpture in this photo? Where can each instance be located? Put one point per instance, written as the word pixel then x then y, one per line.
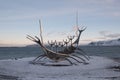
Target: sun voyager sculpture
pixel 69 50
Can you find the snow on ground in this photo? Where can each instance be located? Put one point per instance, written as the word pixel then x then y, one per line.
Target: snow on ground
pixel 97 69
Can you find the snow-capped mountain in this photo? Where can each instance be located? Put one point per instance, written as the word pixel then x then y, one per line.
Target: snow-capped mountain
pixel 115 42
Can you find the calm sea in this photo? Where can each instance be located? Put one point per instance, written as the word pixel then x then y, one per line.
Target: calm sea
pixel 21 52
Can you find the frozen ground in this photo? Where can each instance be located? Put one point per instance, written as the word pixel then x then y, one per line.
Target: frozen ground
pixel 97 69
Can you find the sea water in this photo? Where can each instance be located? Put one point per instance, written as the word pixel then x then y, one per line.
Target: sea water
pixel 19 52
pixel 22 52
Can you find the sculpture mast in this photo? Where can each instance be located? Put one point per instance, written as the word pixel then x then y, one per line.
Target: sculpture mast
pixel 41 31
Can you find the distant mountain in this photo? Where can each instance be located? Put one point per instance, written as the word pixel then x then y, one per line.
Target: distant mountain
pixel 115 42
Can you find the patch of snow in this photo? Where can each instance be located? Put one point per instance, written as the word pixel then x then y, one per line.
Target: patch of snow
pixel 95 70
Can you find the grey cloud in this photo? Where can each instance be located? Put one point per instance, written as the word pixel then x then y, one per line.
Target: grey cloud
pixel 104 33
pixel 54 33
pixel 114 35
pixel 108 34
pixel 62 33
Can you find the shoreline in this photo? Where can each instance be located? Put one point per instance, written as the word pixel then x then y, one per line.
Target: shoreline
pixel 8 77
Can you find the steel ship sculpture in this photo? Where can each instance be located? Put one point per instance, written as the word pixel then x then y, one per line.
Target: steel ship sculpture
pixel 70 50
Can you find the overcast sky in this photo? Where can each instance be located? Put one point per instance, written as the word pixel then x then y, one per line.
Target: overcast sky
pixel 21 17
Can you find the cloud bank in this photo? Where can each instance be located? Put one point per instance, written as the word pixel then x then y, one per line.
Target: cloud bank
pixel 108 34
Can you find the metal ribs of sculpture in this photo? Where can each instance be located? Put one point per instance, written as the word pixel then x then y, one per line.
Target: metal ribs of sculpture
pixel 70 52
